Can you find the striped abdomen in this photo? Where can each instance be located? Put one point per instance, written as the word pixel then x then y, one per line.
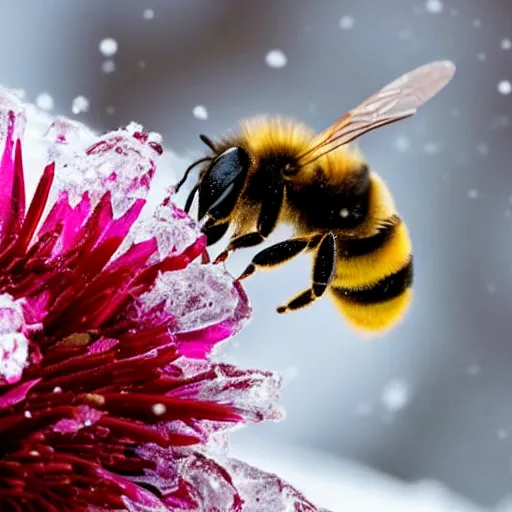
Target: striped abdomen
pixel 372 285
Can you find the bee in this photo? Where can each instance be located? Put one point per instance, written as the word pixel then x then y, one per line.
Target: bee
pixel 276 170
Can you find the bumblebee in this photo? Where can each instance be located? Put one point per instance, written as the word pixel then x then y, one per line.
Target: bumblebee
pixel 277 170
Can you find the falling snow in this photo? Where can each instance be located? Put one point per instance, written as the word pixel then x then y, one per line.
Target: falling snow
pixel 502 434
pixel 431 148
pixel 482 149
pixel 477 23
pixel 395 395
pixel 346 22
pixel 434 6
pixel 481 56
pixel 472 193
pixel 159 409
pixel 506 44
pixel 108 47
pixel 148 14
pixel 80 104
pixel 110 110
pixel 473 369
pixel 504 87
pixel 276 59
pixel 44 101
pixel 200 112
pixel 108 66
pixel 405 34
pixel 363 409
pixel 402 143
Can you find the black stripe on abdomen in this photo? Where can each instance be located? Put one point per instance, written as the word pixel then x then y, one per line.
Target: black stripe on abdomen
pixel 386 289
pixel 352 248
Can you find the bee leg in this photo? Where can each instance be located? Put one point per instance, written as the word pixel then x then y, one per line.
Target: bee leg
pixel 214 232
pixel 323 272
pixel 278 254
pixel 267 220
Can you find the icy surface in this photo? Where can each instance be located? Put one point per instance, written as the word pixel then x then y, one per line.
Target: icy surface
pixel 13 342
pixel 11 102
pixel 172 229
pixel 198 296
pixel 256 391
pixel 345 486
pixel 118 162
pixel 266 492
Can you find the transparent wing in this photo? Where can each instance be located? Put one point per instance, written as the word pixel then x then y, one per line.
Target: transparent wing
pixel 397 100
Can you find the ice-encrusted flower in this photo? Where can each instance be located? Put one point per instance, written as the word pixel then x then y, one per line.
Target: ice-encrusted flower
pixel 108 399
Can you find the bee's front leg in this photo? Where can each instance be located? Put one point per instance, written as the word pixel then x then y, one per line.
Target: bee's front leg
pixel 267 220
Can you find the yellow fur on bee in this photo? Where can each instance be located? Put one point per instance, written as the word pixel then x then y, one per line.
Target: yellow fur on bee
pixel 264 135
pixel 374 319
pixel 362 271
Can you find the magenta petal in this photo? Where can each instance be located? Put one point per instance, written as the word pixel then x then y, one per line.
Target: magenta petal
pixel 17 393
pixel 7 173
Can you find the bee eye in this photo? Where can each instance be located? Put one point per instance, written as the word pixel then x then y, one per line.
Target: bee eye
pixel 344 213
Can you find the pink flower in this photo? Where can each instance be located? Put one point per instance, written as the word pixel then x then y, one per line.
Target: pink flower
pixel 108 400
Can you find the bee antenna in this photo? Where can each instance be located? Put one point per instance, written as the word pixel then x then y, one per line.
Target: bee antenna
pixel 187 172
pixel 208 142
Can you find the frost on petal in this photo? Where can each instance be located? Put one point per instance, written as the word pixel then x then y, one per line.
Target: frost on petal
pixel 254 393
pixel 204 486
pixel 12 116
pixel 163 473
pixel 204 301
pixel 121 162
pixel 13 342
pixel 266 491
pixel 66 135
pixel 174 231
pixel 197 296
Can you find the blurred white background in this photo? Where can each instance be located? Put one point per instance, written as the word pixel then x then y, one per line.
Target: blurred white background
pixel 431 400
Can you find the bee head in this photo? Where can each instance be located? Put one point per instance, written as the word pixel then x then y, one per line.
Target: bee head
pixel 222 183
